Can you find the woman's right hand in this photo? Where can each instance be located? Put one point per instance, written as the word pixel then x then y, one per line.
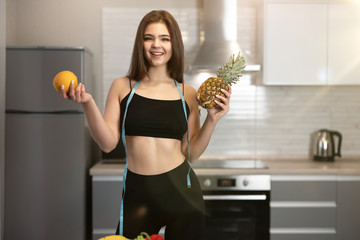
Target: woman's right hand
pixel 77 95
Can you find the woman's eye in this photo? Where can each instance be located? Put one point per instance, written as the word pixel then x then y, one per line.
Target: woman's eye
pixel 166 39
pixel 147 38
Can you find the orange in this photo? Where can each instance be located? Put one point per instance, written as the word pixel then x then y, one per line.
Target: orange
pixel 64 78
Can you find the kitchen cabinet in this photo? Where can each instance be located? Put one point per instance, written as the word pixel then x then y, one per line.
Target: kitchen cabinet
pixel 311 42
pixel 303 207
pixel 344 47
pixel 106 199
pixel 315 207
pixel 294 43
pixel 348 211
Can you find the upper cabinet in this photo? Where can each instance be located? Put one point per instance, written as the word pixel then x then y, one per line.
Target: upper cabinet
pixel 295 43
pixel 344 43
pixel 311 42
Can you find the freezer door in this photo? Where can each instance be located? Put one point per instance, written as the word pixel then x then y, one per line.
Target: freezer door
pixel 29 78
pixel 46 177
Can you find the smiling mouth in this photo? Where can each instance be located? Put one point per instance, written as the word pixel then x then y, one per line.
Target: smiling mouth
pixel 157 54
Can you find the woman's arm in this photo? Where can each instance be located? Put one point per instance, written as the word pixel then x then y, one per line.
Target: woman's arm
pixel 104 129
pixel 200 136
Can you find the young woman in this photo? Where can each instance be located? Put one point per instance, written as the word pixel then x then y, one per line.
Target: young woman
pixel 158 125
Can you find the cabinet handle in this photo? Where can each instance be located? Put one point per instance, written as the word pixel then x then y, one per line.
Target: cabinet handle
pixel 304 204
pixel 302 230
pixel 235 197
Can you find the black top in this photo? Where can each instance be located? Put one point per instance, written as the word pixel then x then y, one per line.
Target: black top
pixel 154 118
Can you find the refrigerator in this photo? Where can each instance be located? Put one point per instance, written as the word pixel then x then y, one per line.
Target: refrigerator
pixel 47 147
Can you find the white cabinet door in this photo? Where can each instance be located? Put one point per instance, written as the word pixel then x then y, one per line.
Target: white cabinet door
pixel 295 50
pixel 344 44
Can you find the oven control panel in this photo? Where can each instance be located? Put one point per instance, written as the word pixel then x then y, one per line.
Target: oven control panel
pixel 242 182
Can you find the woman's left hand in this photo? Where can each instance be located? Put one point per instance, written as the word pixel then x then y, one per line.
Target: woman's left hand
pixel 222 107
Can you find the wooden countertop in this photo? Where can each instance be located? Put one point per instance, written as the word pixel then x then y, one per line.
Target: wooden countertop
pixel 341 166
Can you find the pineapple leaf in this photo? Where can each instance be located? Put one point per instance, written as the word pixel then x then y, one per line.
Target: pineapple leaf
pixel 230 72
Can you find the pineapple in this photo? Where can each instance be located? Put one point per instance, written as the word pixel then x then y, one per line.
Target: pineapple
pixel 229 73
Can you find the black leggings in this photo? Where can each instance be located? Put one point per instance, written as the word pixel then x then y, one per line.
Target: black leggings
pixel 152 202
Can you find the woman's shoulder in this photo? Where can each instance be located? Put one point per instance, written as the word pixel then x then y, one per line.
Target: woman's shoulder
pixel 121 86
pixel 121 82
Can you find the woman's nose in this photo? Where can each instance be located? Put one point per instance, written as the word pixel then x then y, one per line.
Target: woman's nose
pixel 156 42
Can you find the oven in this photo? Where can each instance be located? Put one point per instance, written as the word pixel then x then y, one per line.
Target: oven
pixel 237 206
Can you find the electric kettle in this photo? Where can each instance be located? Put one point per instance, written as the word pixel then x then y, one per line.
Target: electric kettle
pixel 324 145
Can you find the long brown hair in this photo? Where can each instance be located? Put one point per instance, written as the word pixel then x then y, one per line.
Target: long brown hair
pixel 139 65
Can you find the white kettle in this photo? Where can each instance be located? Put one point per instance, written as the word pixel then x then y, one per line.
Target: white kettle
pixel 324 145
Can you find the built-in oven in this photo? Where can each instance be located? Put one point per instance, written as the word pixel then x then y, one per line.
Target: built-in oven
pixel 237 206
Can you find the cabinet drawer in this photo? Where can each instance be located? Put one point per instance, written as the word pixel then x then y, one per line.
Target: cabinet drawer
pixel 303 188
pixel 107 191
pixel 301 217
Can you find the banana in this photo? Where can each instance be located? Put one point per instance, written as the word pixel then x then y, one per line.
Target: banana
pixel 114 237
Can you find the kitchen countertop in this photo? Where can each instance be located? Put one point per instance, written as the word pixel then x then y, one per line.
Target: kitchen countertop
pixel 341 166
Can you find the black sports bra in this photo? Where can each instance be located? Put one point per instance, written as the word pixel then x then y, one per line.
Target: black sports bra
pixel 154 118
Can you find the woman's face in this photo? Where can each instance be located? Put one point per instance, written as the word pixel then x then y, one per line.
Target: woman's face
pixel 157 44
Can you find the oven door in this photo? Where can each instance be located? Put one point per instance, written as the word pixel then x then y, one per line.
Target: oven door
pixel 237 215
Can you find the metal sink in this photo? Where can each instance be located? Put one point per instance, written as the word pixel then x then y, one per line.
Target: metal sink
pixel 233 163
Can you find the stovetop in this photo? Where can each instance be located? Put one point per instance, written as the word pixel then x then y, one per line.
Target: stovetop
pixel 231 164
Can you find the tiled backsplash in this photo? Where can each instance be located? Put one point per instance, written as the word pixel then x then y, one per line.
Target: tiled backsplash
pixel 278 121
pixel 264 121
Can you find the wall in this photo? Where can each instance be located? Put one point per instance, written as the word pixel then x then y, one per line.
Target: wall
pixel 2 113
pixel 263 121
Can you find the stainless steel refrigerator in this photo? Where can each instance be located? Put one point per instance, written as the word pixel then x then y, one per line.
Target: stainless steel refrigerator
pixel 47 147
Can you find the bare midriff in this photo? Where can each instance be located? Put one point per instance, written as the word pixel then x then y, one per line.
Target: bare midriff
pixel 152 156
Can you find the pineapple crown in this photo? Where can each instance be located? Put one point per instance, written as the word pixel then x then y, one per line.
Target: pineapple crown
pixel 230 72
